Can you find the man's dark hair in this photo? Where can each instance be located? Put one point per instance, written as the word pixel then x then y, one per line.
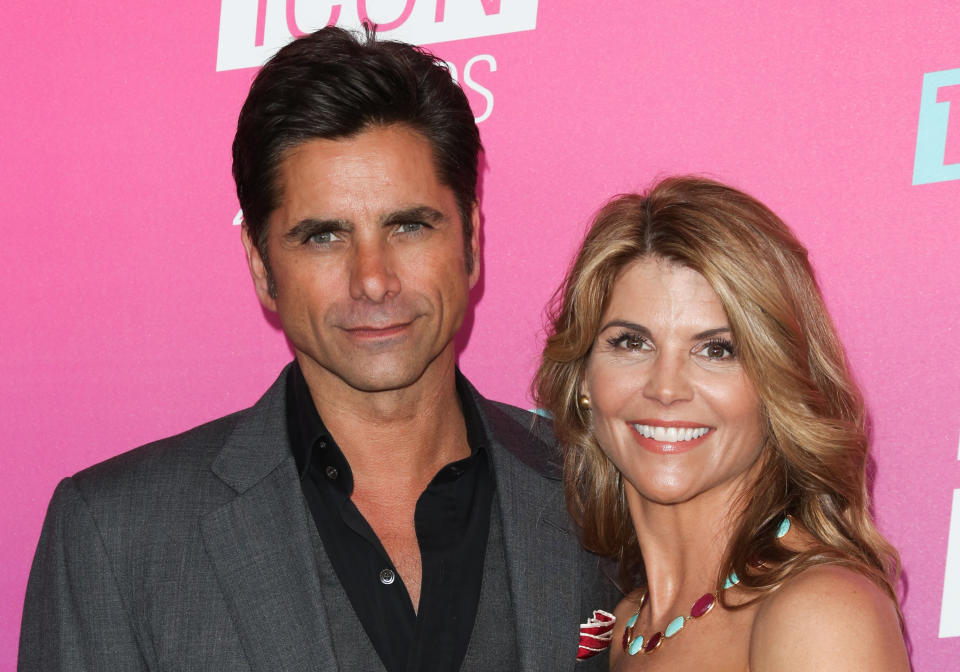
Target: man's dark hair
pixel 334 84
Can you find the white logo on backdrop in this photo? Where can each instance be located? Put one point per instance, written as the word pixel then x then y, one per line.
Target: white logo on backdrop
pixel 950 607
pixel 468 83
pixel 251 31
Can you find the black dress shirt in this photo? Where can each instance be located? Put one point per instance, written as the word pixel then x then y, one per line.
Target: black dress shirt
pixel 451 518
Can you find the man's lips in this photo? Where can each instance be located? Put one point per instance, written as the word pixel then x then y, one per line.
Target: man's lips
pixel 377 331
pixel 669 436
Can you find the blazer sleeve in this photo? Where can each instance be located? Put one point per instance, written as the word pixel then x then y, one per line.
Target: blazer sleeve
pixel 74 617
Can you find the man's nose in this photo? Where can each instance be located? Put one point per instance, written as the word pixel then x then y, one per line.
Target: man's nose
pixel 372 276
pixel 668 381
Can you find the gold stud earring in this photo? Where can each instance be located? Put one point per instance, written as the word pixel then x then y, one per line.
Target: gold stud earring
pixel 583 401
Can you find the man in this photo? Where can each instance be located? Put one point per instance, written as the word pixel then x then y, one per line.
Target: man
pixel 372 511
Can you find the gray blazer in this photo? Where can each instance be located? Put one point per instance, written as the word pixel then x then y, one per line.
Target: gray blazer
pixel 198 552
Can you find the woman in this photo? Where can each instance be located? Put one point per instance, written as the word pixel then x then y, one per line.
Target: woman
pixel 714 442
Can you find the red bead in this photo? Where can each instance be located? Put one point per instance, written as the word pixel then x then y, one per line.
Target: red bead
pixel 626 637
pixel 703 605
pixel 654 642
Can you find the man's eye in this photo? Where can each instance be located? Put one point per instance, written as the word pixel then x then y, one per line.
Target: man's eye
pixel 410 227
pixel 323 238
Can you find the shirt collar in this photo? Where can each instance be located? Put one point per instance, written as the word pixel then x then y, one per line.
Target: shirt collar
pixel 309 438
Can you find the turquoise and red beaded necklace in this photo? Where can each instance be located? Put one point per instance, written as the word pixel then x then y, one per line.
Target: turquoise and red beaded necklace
pixel 635 643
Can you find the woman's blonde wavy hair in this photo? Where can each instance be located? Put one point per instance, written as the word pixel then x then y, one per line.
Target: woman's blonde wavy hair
pixel 814 461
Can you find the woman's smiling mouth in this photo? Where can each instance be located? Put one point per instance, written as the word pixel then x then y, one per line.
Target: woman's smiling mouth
pixel 668 437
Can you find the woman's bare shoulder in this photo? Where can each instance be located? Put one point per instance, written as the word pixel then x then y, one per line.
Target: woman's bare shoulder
pixel 828 617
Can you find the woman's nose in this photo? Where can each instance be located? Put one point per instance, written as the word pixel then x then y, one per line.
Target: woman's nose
pixel 668 382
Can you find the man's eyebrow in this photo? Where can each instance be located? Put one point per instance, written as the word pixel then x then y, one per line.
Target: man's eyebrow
pixel 418 213
pixel 311 227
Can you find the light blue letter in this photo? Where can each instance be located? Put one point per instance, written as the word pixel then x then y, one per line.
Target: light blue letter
pixel 928 164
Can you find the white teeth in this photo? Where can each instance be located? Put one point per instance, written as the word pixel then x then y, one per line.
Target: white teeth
pixel 671 434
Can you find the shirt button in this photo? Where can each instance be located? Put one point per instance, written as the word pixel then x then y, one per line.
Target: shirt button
pixel 387 576
pixel 332 472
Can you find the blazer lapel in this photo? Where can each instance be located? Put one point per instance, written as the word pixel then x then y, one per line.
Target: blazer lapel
pixel 261 547
pixel 541 548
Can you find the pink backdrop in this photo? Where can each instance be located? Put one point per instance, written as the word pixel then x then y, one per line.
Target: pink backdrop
pixel 129 315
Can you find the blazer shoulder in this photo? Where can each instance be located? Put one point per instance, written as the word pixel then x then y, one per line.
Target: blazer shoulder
pixel 161 460
pixel 184 457
pixel 527 436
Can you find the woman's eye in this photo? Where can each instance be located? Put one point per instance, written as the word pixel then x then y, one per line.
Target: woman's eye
pixel 629 342
pixel 717 350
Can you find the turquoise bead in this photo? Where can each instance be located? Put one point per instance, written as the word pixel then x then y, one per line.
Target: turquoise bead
pixel 636 645
pixel 675 626
pixel 784 527
pixel 632 620
pixel 731 580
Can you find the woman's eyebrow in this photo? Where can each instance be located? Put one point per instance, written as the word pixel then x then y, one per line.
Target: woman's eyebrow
pixel 711 332
pixel 632 326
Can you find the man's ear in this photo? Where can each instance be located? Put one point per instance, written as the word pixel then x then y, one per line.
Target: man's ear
pixel 258 271
pixel 475 244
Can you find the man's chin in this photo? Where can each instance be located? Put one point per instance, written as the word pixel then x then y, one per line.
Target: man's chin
pixel 387 383
pixel 382 376
pixel 370 371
